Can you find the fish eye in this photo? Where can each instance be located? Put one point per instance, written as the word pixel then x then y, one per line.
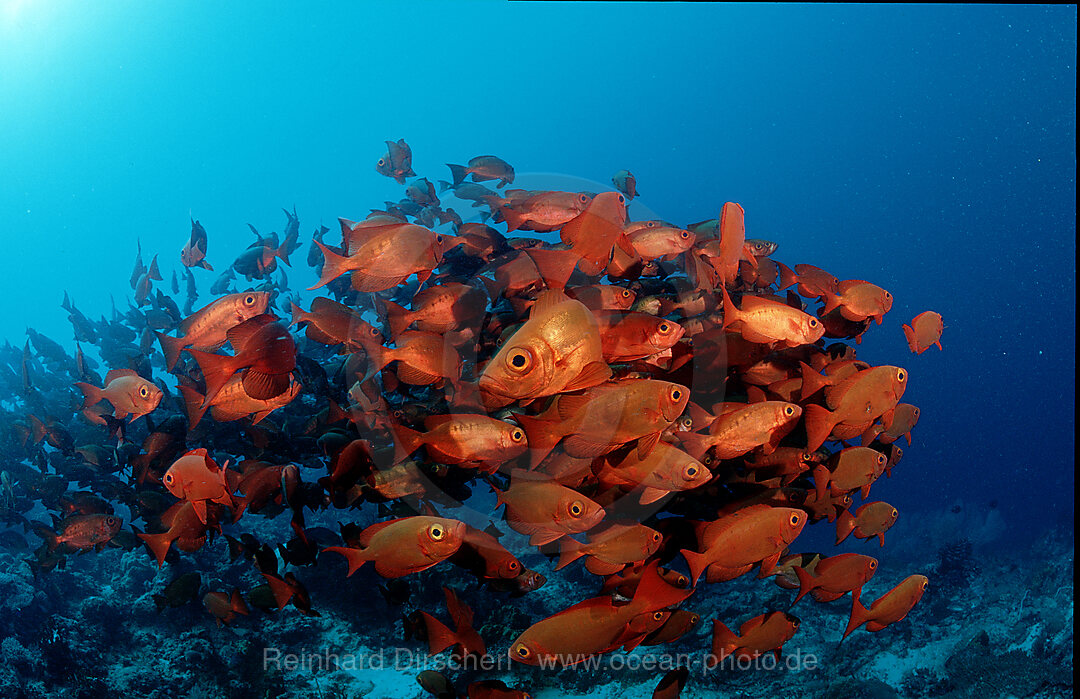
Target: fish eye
pixel 901 375
pixel 657 616
pixel 684 235
pixel 813 322
pixel 436 532
pixel 789 411
pixel 691 470
pixel 622 200
pixel 382 161
pixel 583 198
pixel 517 435
pixel 656 536
pixel 915 412
pixel 513 565
pixel 794 519
pixel 873 564
pixel 894 512
pixel 888 295
pixel 249 300
pixel 110 521
pixel 676 393
pixel 708 460
pixel 520 360
pixel 926 584
pixel 881 458
pixel 374 331
pixel 144 391
pixel 168 478
pixel 398 414
pixel 664 328
pixel 438 239
pixel 522 650
pixel 576 508
pixel 687 422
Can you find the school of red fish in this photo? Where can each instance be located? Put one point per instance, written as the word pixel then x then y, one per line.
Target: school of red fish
pixel 662 404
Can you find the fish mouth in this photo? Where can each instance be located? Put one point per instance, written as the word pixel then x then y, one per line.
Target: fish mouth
pixel 489 384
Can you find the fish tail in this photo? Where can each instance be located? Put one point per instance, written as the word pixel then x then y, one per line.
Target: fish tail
pixel 158 545
pixel 216 369
pixel 354 557
pixel 444 185
pixel 193 403
pixel 569 551
pixel 397 316
pixel 786 277
pixel 696 445
pixel 812 381
pixel 819 424
pixel 514 219
pixel 297 314
pixel 282 253
pixel 806 582
pixel 845 524
pixel 47 535
pixel 236 602
pixel 205 265
pixel 171 347
pixel 909 335
pixel 406 441
pixel 334 265
pixel 859 614
pixel 724 641
pixel 653 592
pixel 458 173
pixel 92 395
pixel 731 313
pixel 697 562
pixel 542 436
pixel 154 273
pixel 282 591
pixel 832 302
pixel 439 635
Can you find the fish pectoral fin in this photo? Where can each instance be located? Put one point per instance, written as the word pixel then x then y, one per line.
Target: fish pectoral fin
pixel 200 509
pixel 647 443
pixel 592 374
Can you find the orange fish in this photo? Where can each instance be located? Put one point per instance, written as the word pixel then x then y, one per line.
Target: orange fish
pixel 731 245
pixel 900 423
pixel 854 468
pixel 835 576
pixel 871 519
pixel 544 510
pixel 601 419
pixel 859 300
pixel 437 309
pixel 888 609
pixel 557 349
pixel 739 428
pixel 611 548
pixel 854 404
pixel 225 607
pixel 734 543
pixel 763 321
pixel 763 634
pixel 598 625
pixel 470 440
pixel 233 402
pixel 538 211
pixel 264 349
pixel 129 394
pixel 924 331
pixel 678 624
pixel 665 470
pixel 194 252
pixel 483 168
pixel 625 336
pixel 406 545
pixel 197 478
pixel 333 323
pixel 381 257
pixel 664 242
pixel 483 555
pixel 81 532
pixel 604 297
pixel 424 358
pixel 206 328
pixel 184 527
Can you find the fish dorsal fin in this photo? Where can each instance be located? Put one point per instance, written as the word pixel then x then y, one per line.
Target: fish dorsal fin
pixel 325 305
pixel 117 373
pixel 848 284
pixel 548 300
pixel 459 611
pixel 238 335
pixel 752 624
pixel 365 537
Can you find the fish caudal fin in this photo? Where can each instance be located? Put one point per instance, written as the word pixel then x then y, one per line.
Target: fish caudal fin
pixel 859 615
pixel 92 395
pixel 569 551
pixel 158 544
pixel 724 641
pixel 845 524
pixel 542 436
pixel 217 369
pixel 439 635
pixel 355 557
pixel 458 173
pixel 397 317
pixel 171 347
pixel 334 265
pixel 406 441
pixel 697 562
pixel 819 425
pixel 806 583
pixel 193 403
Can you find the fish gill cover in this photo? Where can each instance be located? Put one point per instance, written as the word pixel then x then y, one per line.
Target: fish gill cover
pixel 510 435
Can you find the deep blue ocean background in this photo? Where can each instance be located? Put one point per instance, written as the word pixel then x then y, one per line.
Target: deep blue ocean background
pixel 929 149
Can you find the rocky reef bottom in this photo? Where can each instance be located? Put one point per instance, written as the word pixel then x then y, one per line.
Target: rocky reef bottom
pixel 996 622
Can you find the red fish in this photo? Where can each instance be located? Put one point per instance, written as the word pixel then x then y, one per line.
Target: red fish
pixel 924 331
pixel 401 546
pixel 194 252
pixel 129 394
pixel 888 609
pixel 397 163
pixel 763 634
pixel 264 349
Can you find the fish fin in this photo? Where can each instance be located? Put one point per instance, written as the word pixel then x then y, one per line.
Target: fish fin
pixel 193 403
pixel 650 495
pixel 158 544
pixel 845 524
pixel 171 347
pixel 697 562
pixel 539 537
pixel 806 582
pixel 216 369
pixel 909 335
pixel 724 640
pixel 460 613
pixel 647 443
pixel 414 376
pixel 457 172
pixel 397 316
pixel 355 557
pixel 92 395
pixel 821 475
pixel 819 424
pixel 240 334
pixel 859 614
pixel 236 602
pixel 768 565
pixel 592 374
pixel 786 276
pixel 542 435
pixel 199 506
pixel 283 591
pixel 597 567
pixel 731 313
pixel 755 394
pixel 334 265
pixel 261 386
pixel 439 635
pixel 696 445
pixel 406 441
pixel 569 551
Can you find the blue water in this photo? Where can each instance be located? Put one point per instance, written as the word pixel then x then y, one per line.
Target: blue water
pixel 929 149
